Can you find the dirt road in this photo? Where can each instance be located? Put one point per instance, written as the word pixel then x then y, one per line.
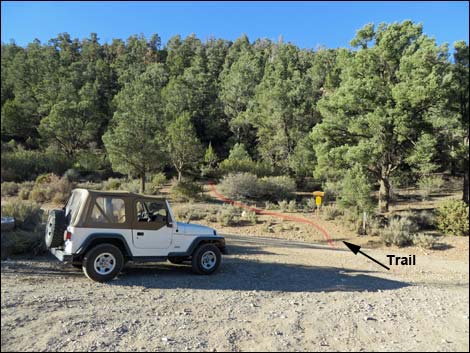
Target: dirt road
pixel 270 294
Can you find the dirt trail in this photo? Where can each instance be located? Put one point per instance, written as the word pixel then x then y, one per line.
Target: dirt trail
pixel 271 294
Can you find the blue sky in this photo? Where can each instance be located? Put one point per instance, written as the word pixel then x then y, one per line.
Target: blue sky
pixel 307 24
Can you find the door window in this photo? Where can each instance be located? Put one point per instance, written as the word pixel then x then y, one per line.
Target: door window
pixel 151 214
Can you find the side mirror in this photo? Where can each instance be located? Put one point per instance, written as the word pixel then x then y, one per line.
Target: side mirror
pixel 168 222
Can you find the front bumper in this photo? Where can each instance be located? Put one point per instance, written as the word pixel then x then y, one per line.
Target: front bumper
pixel 61 255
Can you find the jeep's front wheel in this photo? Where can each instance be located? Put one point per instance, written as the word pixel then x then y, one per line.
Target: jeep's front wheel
pixel 206 259
pixel 103 262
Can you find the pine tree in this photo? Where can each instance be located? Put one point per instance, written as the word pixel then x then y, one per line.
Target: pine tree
pixel 183 145
pixel 383 105
pixel 135 140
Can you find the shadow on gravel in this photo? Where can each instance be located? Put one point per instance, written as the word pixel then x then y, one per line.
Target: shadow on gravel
pixel 239 274
pixel 248 275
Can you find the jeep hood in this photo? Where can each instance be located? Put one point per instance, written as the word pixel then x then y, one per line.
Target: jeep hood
pixel 194 229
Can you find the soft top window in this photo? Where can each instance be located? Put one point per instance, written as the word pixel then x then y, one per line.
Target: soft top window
pixel 108 209
pixel 72 207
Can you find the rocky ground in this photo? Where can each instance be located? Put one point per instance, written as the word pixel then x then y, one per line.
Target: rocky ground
pixel 270 294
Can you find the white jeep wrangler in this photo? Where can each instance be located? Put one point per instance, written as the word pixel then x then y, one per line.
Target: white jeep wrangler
pixel 100 231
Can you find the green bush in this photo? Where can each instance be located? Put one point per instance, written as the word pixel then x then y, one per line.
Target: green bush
pixel 333 189
pixel 248 186
pixel 112 184
pixel 292 206
pixel 330 212
pixel 22 241
pixel 39 195
pixel 240 186
pixel 244 166
pixel 353 220
pixel 452 217
pixel 20 164
pixel 239 161
pixel 186 190
pixel 28 215
pixel 310 205
pixel 426 219
pixel 268 226
pixel 250 216
pixel 425 240
pixel 400 231
pixel 277 187
pixel 283 205
pixel 158 181
pixel 193 212
pixel 51 188
pixel 375 224
pixel 9 189
pixel 62 191
pixel 269 205
pixel 356 191
pixel 131 186
pixel 23 194
pixel 228 215
pixel 48 178
pixel 429 185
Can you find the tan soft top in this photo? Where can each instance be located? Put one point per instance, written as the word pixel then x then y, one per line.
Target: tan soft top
pixel 120 193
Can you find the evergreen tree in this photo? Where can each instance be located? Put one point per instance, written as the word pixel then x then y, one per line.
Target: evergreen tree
pixel 183 145
pixel 135 140
pixel 283 109
pixel 458 105
pixel 383 105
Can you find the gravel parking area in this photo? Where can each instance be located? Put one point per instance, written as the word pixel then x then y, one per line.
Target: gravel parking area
pixel 270 294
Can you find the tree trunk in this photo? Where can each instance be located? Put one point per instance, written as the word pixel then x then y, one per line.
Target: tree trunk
pixel 465 186
pixel 465 171
pixel 384 194
pixel 142 183
pixel 180 175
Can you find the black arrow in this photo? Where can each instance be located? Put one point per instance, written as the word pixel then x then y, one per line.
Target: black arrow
pixel 356 249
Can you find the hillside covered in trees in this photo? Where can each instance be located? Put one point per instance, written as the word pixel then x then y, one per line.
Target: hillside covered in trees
pixel 393 107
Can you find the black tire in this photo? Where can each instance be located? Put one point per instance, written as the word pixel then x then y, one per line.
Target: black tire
pixel 94 254
pixel 177 260
pixel 198 260
pixel 55 229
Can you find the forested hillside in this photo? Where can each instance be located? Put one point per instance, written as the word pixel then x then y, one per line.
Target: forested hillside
pixel 394 106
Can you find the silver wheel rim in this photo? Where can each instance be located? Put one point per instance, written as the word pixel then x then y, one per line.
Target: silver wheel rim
pixel 208 260
pixel 105 263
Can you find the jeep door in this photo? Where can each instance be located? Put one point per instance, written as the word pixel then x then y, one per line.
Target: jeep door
pixel 150 226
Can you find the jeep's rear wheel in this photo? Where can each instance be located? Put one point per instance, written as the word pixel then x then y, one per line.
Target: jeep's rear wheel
pixel 103 262
pixel 206 259
pixel 55 229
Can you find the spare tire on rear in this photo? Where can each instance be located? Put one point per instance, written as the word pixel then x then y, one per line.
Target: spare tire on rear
pixel 55 229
